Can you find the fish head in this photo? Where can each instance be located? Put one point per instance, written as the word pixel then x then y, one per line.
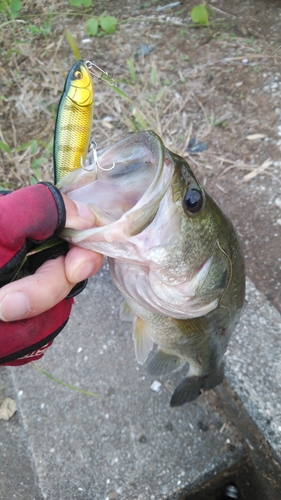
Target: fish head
pixel 79 85
pixel 172 250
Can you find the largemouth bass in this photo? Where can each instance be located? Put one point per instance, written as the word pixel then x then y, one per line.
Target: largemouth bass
pixel 74 121
pixel 173 254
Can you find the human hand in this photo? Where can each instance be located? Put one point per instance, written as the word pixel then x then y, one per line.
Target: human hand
pixel 52 282
pixel 35 308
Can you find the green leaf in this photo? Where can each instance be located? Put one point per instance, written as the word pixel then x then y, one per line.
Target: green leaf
pixel 139 118
pixel 80 3
pixel 160 94
pixel 200 14
pixel 15 6
pixel 108 23
pixel 120 93
pixel 154 75
pixel 92 26
pixel 72 44
pixel 23 146
pixel 36 163
pixel 131 68
pixel 5 147
pixel 34 146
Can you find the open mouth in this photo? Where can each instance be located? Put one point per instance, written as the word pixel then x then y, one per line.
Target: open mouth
pixel 126 185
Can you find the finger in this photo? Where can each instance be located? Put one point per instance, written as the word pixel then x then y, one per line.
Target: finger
pixel 80 264
pixel 78 215
pixel 35 294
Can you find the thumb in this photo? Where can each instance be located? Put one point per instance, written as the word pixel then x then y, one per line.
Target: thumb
pixel 78 215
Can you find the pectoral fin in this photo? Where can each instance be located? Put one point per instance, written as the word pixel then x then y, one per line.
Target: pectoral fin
pixel 125 312
pixel 163 362
pixel 190 387
pixel 142 341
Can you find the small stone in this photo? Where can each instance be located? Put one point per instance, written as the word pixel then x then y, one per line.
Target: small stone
pixel 155 386
pixel 245 60
pixel 277 202
pixel 7 408
pixel 142 438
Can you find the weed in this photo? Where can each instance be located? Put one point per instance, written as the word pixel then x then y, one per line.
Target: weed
pixel 45 29
pixel 132 71
pixel 10 8
pixel 200 14
pixel 80 3
pixel 72 44
pixel 221 123
pixel 33 152
pixel 98 26
pixel 4 147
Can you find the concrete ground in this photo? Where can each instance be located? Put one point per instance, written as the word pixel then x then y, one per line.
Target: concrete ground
pixel 127 442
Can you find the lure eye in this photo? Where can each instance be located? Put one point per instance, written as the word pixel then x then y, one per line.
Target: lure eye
pixel 77 75
pixel 193 200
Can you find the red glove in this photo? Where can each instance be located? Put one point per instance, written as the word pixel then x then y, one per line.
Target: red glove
pixel 28 217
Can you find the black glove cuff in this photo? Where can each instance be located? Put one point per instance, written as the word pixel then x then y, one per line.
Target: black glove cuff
pixel 60 205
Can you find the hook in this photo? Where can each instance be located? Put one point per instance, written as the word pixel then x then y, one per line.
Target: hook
pixel 92 166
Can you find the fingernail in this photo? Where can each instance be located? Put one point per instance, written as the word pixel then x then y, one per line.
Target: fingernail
pixel 14 306
pixel 83 272
pixel 85 212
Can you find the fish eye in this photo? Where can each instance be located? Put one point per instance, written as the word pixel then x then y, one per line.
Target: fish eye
pixel 193 200
pixel 77 75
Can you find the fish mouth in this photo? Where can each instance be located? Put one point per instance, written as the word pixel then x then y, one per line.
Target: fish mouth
pixel 125 198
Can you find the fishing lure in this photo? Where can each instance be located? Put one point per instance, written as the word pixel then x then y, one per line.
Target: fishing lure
pixel 74 120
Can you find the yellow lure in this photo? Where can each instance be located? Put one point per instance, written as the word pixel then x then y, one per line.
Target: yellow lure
pixel 74 121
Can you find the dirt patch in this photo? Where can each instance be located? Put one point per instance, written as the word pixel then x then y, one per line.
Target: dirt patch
pixel 220 85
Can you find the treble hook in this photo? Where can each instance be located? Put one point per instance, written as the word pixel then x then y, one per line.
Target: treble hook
pixel 99 73
pixel 92 166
